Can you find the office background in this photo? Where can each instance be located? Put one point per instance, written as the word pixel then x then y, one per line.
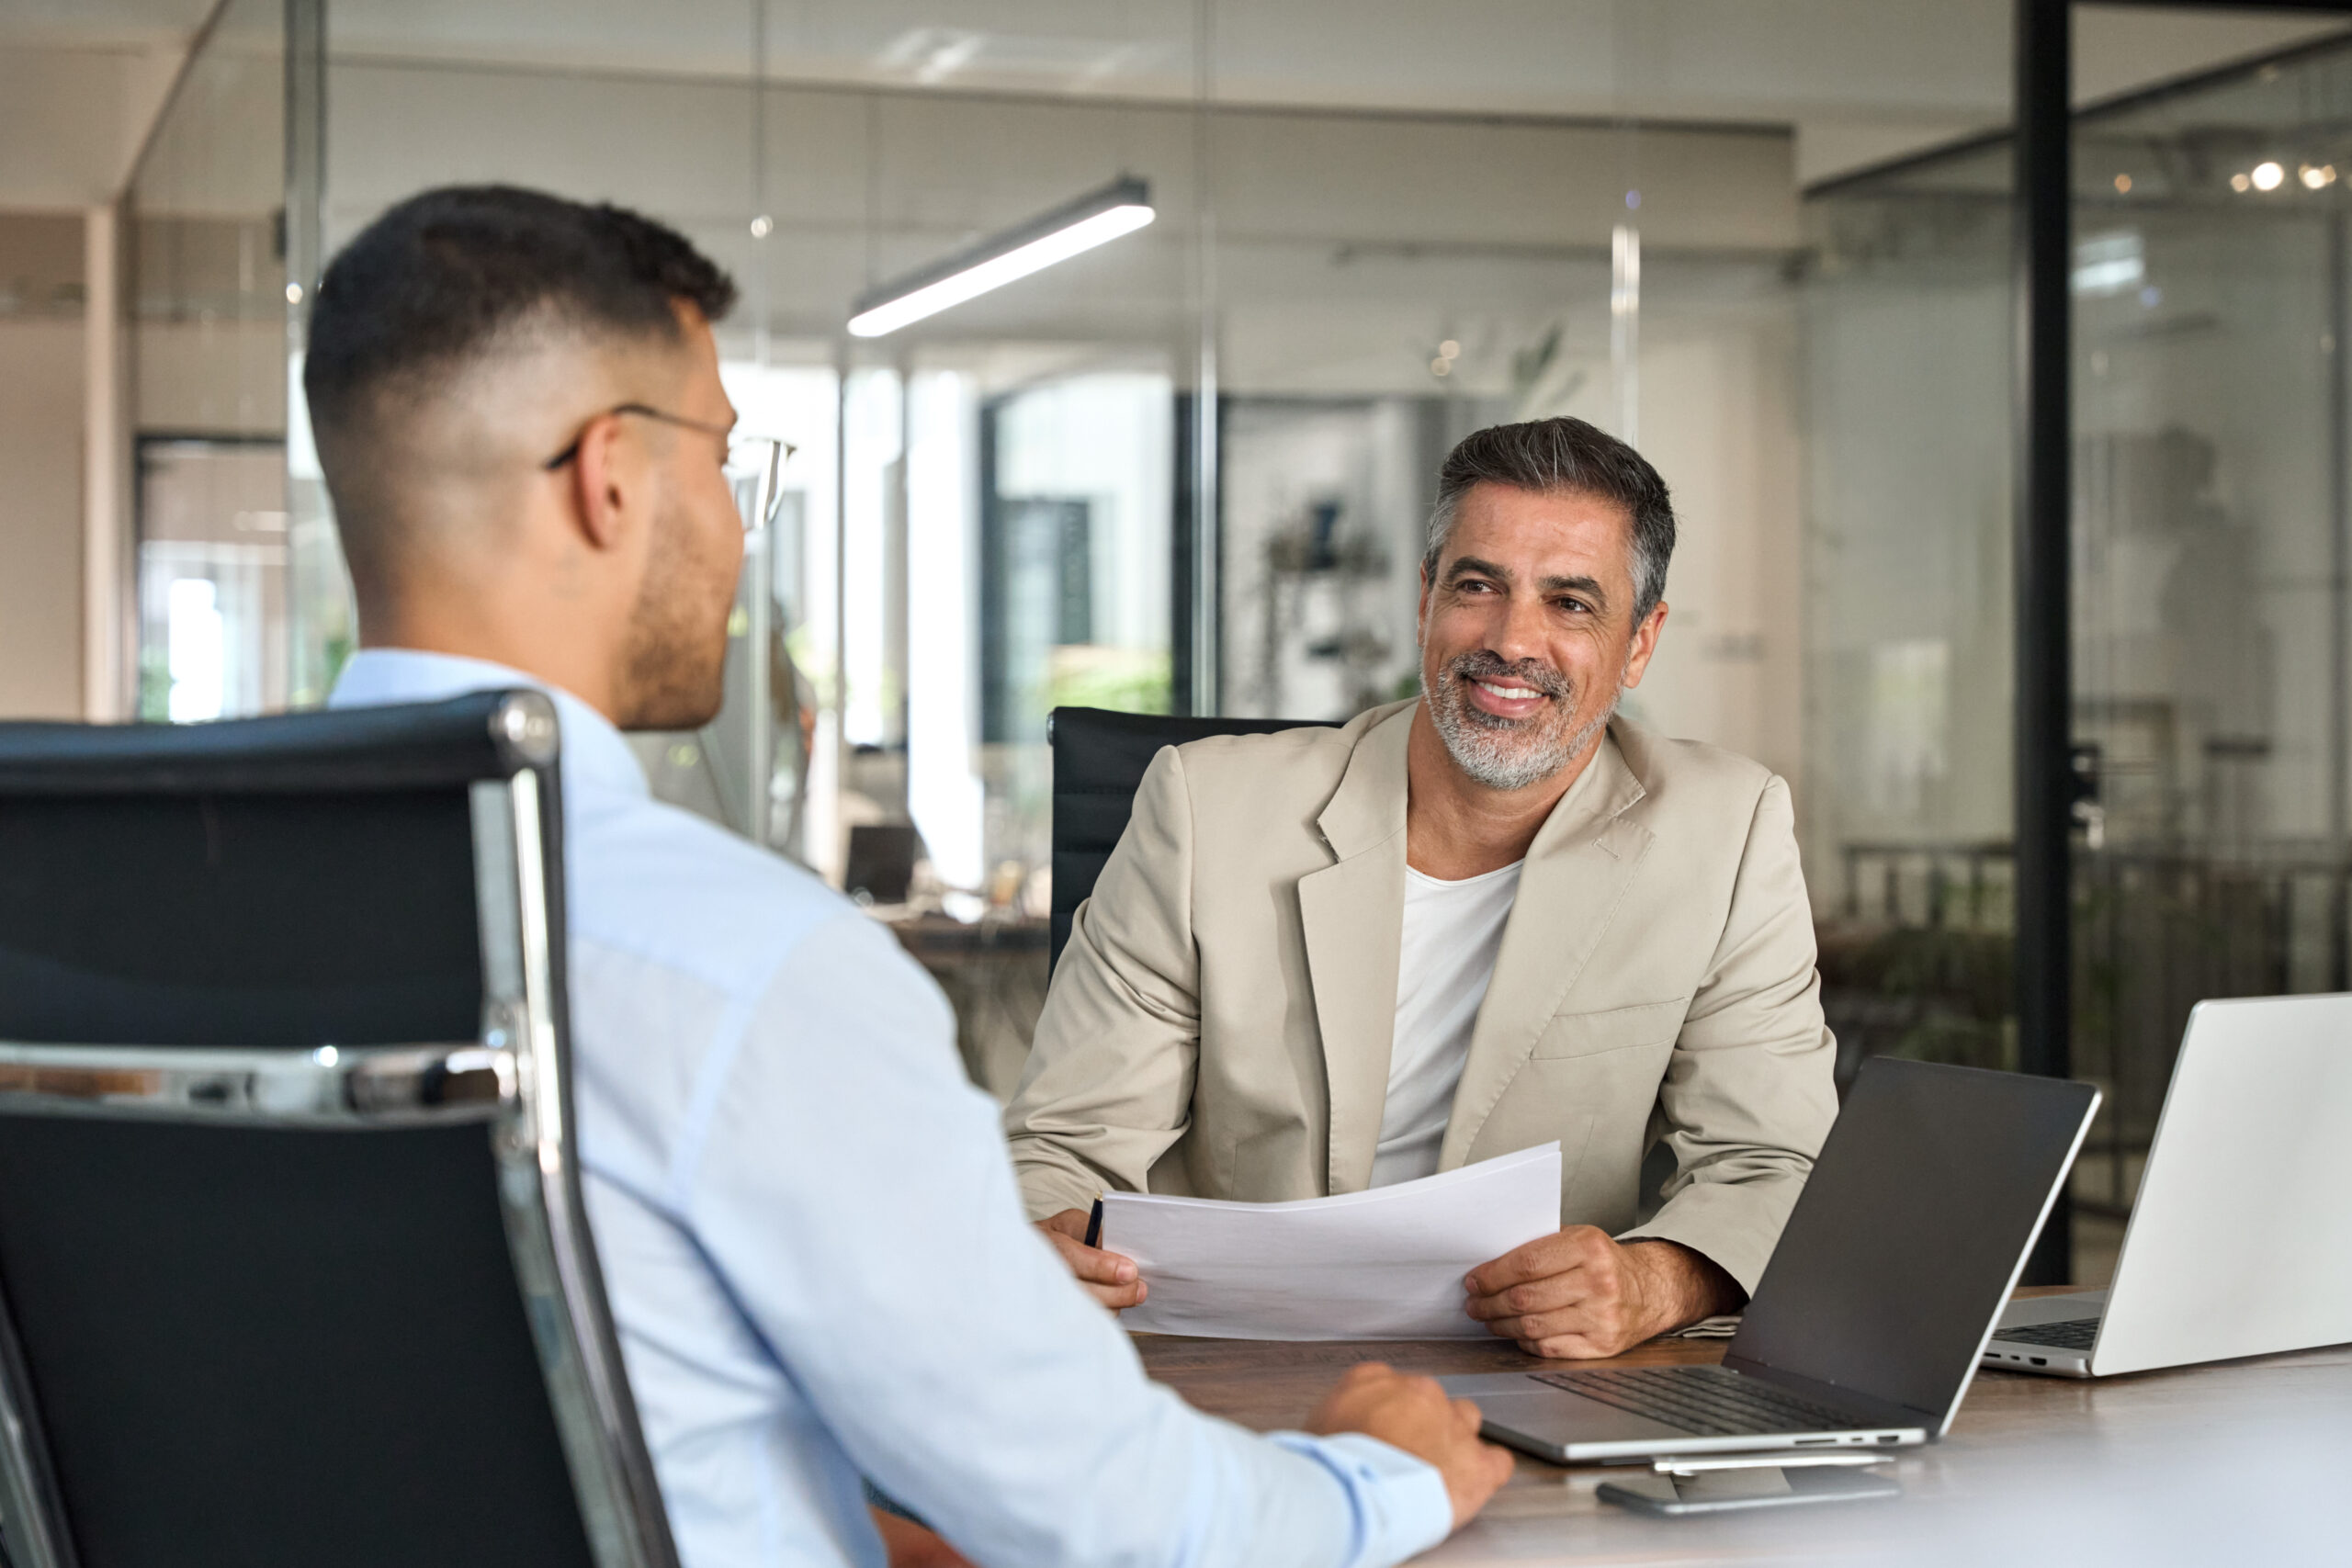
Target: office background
pixel 1769 241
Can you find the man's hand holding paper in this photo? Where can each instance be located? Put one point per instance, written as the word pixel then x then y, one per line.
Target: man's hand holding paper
pixel 1328 962
pixel 1380 1265
pixel 1580 1294
pixel 1383 1264
pixel 1108 1278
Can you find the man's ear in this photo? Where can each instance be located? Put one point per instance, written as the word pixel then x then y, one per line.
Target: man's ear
pixel 603 481
pixel 1422 614
pixel 1645 643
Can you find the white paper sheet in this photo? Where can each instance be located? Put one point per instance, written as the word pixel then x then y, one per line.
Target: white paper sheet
pixel 1383 1264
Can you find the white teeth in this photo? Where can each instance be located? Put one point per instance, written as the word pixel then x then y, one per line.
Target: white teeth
pixel 1509 694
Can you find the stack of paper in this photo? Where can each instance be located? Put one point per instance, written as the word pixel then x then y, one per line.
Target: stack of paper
pixel 1383 1264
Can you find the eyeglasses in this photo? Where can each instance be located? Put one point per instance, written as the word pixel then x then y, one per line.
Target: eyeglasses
pixel 751 465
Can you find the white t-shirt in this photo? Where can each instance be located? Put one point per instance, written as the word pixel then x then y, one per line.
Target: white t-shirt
pixel 1453 931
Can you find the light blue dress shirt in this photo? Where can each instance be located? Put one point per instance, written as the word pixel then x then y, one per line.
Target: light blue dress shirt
pixel 815 1250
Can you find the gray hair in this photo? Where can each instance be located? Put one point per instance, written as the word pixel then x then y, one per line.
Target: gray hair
pixel 1550 456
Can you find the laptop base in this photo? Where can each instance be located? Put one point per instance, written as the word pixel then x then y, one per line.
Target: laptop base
pixel 2032 1355
pixel 1553 1423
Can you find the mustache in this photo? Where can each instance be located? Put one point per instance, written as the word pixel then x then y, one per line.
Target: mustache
pixel 1485 665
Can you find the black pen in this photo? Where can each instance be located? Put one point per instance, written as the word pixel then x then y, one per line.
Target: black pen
pixel 1094 1225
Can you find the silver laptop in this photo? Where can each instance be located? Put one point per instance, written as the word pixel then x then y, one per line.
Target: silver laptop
pixel 1871 1315
pixel 2241 1242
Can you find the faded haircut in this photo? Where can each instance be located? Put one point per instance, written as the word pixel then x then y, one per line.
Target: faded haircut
pixel 448 278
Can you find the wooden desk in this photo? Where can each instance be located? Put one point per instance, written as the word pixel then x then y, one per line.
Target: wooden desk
pixel 2015 1433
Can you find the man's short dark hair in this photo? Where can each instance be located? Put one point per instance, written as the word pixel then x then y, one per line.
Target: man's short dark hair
pixel 438 279
pixel 1564 456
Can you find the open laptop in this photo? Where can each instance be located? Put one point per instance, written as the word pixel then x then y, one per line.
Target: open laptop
pixel 2241 1242
pixel 1870 1317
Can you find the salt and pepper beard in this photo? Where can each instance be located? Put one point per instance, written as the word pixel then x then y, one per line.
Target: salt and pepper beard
pixel 1511 753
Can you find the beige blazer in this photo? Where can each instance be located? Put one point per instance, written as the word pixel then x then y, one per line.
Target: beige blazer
pixel 1220 1022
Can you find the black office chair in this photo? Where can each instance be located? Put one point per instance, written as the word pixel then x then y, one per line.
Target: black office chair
pixel 1100 758
pixel 293 1265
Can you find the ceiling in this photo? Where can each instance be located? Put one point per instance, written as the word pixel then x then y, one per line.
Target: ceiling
pixel 1855 81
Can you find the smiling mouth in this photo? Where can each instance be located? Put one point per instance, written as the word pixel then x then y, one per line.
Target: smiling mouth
pixel 1508 693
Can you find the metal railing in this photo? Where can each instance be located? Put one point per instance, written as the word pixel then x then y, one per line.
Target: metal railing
pixel 1917 961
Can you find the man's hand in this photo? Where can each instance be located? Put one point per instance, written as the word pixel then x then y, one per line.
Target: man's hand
pixel 1112 1279
pixel 1414 1415
pixel 1578 1294
pixel 908 1545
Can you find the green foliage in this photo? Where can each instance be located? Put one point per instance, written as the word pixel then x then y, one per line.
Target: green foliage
pixel 1122 680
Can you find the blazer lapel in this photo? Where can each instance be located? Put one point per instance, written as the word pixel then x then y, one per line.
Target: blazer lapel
pixel 1352 913
pixel 1577 873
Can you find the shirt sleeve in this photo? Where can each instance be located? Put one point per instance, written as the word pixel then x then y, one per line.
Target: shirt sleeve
pixel 853 1193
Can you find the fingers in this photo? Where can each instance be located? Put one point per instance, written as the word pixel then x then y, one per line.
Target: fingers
pixel 1575 1334
pixel 1561 1293
pixel 1110 1278
pixel 910 1545
pixel 1107 1277
pixel 1577 1347
pixel 1574 1344
pixel 1353 1402
pixel 1500 1464
pixel 1118 1298
pixel 1092 1264
pixel 1414 1414
pixel 1559 1253
pixel 1473 1477
pixel 1608 1298
pixel 1476 1470
pixel 1578 1310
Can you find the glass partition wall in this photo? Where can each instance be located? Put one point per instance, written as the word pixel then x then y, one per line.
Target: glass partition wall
pixel 1000 508
pixel 2210 625
pixel 1908 618
pixel 204 225
pixel 1190 470
pixel 2209 569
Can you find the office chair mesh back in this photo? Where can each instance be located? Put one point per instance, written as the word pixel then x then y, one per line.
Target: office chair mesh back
pixel 258 1337
pixel 1100 758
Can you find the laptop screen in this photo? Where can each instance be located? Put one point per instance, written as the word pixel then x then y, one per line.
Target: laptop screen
pixel 1911 1229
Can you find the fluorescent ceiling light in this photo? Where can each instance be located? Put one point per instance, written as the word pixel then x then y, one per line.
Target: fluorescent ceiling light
pixel 1121 208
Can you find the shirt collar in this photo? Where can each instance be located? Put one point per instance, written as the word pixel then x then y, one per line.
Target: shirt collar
pixel 594 755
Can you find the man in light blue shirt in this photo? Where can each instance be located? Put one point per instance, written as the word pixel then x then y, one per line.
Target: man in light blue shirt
pixel 517 404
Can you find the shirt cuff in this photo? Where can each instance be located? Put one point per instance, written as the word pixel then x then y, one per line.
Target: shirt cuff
pixel 1397 1503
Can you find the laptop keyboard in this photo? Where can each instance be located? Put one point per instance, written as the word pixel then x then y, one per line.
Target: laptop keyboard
pixel 2077 1334
pixel 1707 1401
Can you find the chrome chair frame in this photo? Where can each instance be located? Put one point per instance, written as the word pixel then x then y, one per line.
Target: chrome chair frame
pixel 510 1081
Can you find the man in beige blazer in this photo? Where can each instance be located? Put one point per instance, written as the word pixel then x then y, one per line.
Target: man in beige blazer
pixel 1482 919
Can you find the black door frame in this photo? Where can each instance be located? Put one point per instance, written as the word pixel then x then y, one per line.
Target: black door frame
pixel 2045 783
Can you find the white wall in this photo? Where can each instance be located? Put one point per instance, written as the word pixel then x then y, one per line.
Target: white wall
pixel 40 519
pixel 1719 421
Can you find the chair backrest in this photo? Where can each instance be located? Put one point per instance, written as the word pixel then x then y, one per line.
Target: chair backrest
pixel 1099 759
pixel 293 1263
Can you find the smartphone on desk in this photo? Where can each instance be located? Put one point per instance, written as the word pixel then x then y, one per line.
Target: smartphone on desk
pixel 1727 1491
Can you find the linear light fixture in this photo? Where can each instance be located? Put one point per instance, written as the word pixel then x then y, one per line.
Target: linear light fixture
pixel 1120 207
